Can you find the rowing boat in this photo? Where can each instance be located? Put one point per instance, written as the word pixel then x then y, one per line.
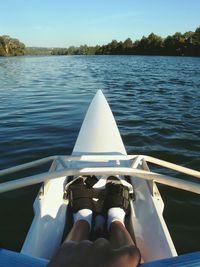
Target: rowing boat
pixel 99 151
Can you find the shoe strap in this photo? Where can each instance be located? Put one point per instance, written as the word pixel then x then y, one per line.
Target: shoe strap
pixel 81 195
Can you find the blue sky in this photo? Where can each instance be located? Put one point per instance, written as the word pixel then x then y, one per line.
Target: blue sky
pixel 61 23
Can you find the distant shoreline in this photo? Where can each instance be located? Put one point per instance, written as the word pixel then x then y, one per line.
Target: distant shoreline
pixel 187 44
pixel 54 55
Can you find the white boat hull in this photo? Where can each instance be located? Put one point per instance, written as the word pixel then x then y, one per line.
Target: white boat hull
pixel 99 135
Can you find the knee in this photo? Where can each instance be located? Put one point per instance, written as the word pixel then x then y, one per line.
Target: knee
pixel 85 244
pixel 130 253
pixel 102 247
pixel 102 242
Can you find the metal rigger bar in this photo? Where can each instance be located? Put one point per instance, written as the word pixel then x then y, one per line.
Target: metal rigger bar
pixel 132 171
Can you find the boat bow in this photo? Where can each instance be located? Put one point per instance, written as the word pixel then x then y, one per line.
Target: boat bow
pixel 99 133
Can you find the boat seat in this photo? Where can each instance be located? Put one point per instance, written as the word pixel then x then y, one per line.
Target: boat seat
pixel 186 260
pixel 14 259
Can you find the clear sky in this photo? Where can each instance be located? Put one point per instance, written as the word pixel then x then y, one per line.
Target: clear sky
pixel 61 23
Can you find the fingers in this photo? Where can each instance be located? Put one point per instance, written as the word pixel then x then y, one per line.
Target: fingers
pixel 101 245
pixel 102 251
pixel 130 253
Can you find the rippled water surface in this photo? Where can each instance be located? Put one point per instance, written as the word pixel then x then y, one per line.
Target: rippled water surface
pixel 156 103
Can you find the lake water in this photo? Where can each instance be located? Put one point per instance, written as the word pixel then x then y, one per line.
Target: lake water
pixel 156 103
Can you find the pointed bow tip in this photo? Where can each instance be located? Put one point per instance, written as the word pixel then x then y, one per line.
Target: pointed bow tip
pixel 99 96
pixel 99 93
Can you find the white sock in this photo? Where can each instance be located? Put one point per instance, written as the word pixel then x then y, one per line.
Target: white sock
pixel 115 214
pixel 83 214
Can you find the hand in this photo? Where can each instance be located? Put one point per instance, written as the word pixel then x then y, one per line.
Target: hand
pixel 97 254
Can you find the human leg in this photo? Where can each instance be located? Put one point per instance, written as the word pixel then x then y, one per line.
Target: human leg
pixel 82 224
pixel 80 231
pixel 81 206
pixel 119 236
pixel 75 248
pixel 126 252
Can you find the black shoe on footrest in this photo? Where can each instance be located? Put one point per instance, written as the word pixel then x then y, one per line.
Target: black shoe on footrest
pixel 118 194
pixel 80 193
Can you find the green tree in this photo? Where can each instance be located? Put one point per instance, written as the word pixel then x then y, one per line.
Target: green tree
pixel 196 42
pixel 112 47
pixel 10 46
pixel 154 44
pixel 142 46
pixel 196 37
pixel 127 46
pixel 2 46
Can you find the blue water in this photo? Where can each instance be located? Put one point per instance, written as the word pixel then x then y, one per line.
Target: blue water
pixel 156 103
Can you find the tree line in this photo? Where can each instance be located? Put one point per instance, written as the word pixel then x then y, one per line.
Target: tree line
pixel 11 46
pixel 187 44
pixel 178 44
